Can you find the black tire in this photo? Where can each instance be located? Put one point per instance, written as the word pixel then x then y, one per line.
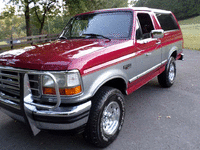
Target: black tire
pixel 166 78
pixel 97 130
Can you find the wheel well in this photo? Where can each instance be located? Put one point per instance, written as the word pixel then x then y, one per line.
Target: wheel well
pixel 174 54
pixel 117 83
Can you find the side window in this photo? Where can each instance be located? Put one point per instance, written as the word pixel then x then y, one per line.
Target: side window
pixel 138 31
pixel 146 25
pixel 167 22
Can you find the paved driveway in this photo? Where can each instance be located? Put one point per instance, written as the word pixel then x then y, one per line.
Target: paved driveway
pixel 156 118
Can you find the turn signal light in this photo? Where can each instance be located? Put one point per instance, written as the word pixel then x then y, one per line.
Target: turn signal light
pixel 63 91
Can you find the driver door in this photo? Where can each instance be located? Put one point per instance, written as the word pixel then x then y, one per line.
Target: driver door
pixel 148 49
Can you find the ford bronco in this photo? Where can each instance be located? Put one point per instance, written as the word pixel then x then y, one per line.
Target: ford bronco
pixel 78 81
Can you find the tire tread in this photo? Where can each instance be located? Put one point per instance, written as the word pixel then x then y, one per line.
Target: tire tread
pixel 91 134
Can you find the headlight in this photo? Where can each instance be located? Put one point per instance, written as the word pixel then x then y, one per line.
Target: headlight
pixel 72 80
pixel 60 78
pixel 69 83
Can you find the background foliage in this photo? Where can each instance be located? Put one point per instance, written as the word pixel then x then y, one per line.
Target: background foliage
pixel 182 9
pixel 34 17
pixel 79 6
pixel 46 16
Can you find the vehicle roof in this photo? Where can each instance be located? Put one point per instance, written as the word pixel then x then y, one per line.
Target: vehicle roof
pixel 129 8
pixel 150 9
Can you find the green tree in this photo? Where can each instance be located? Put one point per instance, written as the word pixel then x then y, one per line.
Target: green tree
pixel 42 10
pixel 6 22
pixel 25 5
pixel 19 27
pixel 80 6
pixel 39 11
pixel 9 11
pixel 56 24
pixel 11 26
pixel 133 2
pixel 3 33
pixel 181 9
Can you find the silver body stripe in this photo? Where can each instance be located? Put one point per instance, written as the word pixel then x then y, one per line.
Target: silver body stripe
pixel 146 72
pixel 123 58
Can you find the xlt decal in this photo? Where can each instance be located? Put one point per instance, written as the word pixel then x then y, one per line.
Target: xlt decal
pixel 128 66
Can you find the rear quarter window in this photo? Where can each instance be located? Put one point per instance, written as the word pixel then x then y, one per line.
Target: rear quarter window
pixel 167 22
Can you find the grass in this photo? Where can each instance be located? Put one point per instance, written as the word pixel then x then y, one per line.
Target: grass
pixel 194 20
pixel 191 33
pixel 3 43
pixel 191 36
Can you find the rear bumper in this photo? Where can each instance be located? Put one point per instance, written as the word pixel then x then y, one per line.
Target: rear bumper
pixel 180 56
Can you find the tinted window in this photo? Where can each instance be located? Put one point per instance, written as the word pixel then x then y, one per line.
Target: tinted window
pixel 146 25
pixel 112 25
pixel 138 31
pixel 167 22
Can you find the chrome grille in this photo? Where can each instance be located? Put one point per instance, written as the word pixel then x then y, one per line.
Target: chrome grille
pixel 10 85
pixel 34 85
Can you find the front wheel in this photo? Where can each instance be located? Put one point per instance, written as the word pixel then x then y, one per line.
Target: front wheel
pixel 106 117
pixel 167 78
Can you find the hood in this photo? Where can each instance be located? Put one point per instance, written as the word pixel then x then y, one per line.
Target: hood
pixel 56 55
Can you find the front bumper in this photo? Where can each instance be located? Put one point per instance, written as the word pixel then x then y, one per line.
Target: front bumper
pixel 42 116
pixel 62 118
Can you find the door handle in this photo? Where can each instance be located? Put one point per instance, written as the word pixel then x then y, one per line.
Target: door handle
pixel 147 54
pixel 145 42
pixel 158 42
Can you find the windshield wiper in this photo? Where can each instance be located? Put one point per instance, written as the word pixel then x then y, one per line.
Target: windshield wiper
pixel 62 37
pixel 95 35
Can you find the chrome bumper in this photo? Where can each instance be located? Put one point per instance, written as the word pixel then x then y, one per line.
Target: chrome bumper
pixel 40 116
pixel 72 117
pixel 62 118
pixel 181 56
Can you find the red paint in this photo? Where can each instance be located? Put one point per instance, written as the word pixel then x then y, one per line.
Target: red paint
pixel 51 56
pixel 84 54
pixel 178 56
pixel 155 21
pixel 80 54
pixel 172 37
pixel 143 80
pixel 113 50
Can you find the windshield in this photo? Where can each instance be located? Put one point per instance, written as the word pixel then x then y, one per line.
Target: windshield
pixel 102 25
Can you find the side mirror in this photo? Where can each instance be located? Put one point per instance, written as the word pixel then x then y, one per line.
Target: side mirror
pixel 157 33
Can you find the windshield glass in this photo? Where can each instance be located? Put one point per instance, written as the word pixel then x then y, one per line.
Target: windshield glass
pixel 101 25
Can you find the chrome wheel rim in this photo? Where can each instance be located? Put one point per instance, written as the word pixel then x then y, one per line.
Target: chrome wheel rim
pixel 110 118
pixel 171 72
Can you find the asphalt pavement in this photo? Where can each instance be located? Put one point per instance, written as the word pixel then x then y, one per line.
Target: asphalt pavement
pixel 156 119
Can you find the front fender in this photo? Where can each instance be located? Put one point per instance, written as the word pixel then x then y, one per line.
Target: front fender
pixel 92 82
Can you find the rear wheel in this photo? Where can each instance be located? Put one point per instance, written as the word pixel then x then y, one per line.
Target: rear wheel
pixel 167 78
pixel 106 117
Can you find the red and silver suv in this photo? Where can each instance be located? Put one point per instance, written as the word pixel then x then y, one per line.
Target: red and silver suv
pixel 78 81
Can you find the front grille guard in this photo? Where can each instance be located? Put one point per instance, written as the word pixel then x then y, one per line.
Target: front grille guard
pixel 28 97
